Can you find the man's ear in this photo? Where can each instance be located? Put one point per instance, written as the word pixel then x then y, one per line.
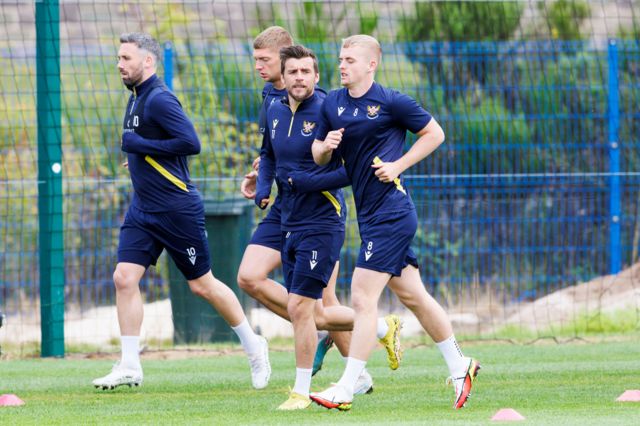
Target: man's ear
pixel 373 65
pixel 149 60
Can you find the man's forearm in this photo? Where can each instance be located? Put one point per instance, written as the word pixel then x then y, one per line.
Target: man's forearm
pixel 320 156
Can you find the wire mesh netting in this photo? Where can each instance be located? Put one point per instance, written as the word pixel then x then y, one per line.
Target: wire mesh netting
pixel 517 205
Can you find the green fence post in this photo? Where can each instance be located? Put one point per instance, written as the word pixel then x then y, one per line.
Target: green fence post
pixel 50 218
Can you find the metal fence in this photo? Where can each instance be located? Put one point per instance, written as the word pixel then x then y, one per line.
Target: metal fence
pixel 534 190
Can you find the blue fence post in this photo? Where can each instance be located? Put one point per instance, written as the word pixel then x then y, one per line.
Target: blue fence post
pixel 168 64
pixel 615 212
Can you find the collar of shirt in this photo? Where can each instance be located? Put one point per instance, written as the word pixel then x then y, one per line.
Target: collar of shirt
pixel 304 103
pixel 142 87
pixel 371 89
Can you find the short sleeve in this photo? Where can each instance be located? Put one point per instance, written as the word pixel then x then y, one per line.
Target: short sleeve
pixel 408 113
pixel 323 122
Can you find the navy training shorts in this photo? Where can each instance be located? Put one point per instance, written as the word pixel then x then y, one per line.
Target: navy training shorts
pixel 386 243
pixel 144 235
pixel 268 232
pixel 308 260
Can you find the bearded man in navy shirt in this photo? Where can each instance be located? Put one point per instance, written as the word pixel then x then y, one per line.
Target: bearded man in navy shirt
pixel 166 212
pixel 365 125
pixel 312 218
pixel 262 255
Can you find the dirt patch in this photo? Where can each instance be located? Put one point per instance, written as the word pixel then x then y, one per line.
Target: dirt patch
pixel 606 294
pixel 484 310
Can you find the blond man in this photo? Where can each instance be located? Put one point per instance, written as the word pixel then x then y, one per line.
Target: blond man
pixel 365 125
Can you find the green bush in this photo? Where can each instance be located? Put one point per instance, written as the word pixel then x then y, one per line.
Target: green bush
pixel 566 104
pixel 460 21
pixel 440 23
pixel 487 138
pixel 564 17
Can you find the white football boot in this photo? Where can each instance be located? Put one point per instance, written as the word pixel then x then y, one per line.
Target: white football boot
pixel 260 367
pixel 119 376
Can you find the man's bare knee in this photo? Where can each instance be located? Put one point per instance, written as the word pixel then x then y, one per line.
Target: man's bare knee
pixel 411 303
pixel 208 287
pixel 402 293
pixel 413 297
pixel 320 318
pixel 362 304
pixel 255 267
pixel 199 289
pixel 124 280
pixel 298 309
pixel 248 281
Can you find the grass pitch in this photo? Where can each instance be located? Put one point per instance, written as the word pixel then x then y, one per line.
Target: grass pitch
pixel 568 384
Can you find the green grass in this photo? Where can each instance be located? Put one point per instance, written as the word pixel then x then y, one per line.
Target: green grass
pixel 574 383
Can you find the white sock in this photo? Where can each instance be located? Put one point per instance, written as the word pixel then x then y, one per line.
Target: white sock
pixel 383 328
pixel 322 334
pixel 303 381
pixel 452 354
pixel 351 373
pixel 345 362
pixel 248 339
pixel 130 352
pixel 345 359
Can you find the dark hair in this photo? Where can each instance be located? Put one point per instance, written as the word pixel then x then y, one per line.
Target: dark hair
pixel 297 52
pixel 143 41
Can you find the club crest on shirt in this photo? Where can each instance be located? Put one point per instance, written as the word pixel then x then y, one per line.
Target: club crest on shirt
pixel 340 111
pixel 307 127
pixel 372 111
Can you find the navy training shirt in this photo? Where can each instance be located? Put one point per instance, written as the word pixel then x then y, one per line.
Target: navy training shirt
pixel 157 137
pixel 287 144
pixel 375 130
pixel 270 95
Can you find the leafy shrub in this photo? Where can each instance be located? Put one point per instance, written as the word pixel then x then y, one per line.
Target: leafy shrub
pixel 564 17
pixel 460 21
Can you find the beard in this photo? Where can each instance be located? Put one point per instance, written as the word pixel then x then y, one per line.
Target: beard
pixel 299 98
pixel 132 79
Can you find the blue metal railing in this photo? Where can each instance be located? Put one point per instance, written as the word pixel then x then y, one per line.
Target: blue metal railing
pixel 614 160
pixel 535 188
